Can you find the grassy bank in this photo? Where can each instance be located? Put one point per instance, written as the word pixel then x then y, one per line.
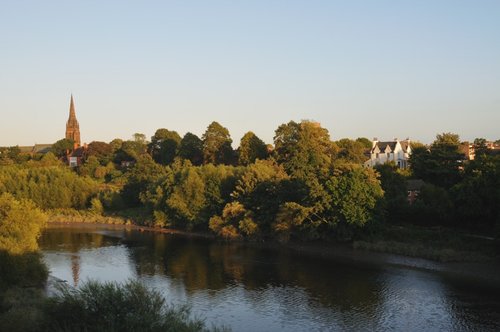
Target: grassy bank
pixel 138 217
pixel 439 244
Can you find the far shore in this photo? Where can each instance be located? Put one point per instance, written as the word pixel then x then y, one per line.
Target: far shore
pixel 482 273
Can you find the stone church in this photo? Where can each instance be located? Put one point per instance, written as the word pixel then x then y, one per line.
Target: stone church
pixel 73 133
pixel 72 126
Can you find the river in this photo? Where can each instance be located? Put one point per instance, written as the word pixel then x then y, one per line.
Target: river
pixel 254 288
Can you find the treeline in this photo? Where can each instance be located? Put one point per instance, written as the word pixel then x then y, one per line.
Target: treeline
pixel 303 186
pixel 49 185
pixel 456 192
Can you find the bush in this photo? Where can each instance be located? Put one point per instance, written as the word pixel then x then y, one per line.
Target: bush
pixel 21 270
pixel 116 307
pixel 20 224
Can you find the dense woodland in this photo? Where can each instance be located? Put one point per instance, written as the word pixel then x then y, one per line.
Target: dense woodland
pixel 304 186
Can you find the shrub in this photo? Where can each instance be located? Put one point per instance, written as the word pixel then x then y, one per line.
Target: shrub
pixel 116 307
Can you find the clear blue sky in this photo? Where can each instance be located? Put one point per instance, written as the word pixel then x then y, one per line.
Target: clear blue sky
pixel 362 68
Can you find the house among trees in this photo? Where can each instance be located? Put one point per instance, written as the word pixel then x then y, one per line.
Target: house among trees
pixel 390 151
pixel 413 188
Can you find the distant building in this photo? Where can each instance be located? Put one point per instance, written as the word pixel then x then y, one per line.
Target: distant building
pixel 72 126
pixel 389 151
pixel 413 187
pixel 36 149
pixel 469 150
pixel 78 154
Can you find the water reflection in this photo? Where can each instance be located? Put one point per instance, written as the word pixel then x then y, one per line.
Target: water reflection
pixel 256 289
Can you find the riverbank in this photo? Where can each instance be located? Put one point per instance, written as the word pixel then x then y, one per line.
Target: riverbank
pixel 487 272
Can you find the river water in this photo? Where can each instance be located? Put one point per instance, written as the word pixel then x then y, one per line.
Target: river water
pixel 249 288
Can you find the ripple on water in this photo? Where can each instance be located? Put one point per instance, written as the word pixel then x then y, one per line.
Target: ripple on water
pixel 251 289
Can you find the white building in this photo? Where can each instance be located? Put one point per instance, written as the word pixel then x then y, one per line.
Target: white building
pixel 392 151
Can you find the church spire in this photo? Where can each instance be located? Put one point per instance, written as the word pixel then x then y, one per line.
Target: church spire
pixel 72 126
pixel 72 114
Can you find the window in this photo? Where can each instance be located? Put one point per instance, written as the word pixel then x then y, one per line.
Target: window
pixel 73 161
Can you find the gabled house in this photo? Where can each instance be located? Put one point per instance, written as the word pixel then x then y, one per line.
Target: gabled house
pixel 390 151
pixel 75 158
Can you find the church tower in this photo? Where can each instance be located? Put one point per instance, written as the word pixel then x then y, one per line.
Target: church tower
pixel 72 126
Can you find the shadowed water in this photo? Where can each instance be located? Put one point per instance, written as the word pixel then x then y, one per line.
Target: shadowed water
pixel 256 289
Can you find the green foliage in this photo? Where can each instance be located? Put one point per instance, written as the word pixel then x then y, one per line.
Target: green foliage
pixel 263 188
pixel 394 185
pixel 102 151
pixel 10 155
pixel 354 193
pixel 191 148
pixel 131 151
pixel 164 145
pixel 24 269
pixel 365 142
pixel 48 187
pixel 352 151
pixel 289 216
pixel 188 197
pixel 20 224
pixel 433 206
pixel 439 165
pixel 477 197
pixel 50 159
pixel 144 172
pixel 89 167
pixel 61 147
pixel 304 149
pixel 96 206
pixel 116 307
pixel 227 226
pixel 251 148
pixel 217 145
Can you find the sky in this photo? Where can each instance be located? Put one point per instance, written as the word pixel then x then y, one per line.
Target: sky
pixel 385 68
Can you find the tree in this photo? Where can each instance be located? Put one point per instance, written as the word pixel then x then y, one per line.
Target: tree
pixel 477 197
pixel 440 164
pixel 394 185
pixel 235 222
pixel 20 224
pixel 351 151
pixel 144 173
pixel 354 194
pixel 251 148
pixel 62 147
pixel 164 145
pixel 140 138
pixel 367 144
pixel 130 151
pixel 188 198
pixel 480 147
pixel 116 144
pixel 303 148
pixel 191 148
pixel 217 145
pixel 101 150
